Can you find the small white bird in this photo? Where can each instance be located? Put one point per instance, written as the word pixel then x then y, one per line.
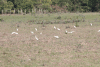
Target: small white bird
pixel 73 31
pixel 32 32
pixel 54 27
pixel 36 29
pixel 36 38
pixel 91 24
pixel 74 26
pixel 17 29
pixel 41 33
pixel 70 32
pixel 56 36
pixel 66 32
pixel 58 29
pixel 98 30
pixel 14 33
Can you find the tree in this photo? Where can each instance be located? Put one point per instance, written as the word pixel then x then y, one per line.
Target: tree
pixel 9 5
pixel 92 4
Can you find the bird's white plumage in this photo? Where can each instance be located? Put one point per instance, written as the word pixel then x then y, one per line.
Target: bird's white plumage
pixel 98 30
pixel 58 29
pixel 41 33
pixel 32 32
pixel 36 29
pixel 73 31
pixel 91 24
pixel 36 38
pixel 56 36
pixel 70 32
pixel 17 29
pixel 74 26
pixel 54 27
pixel 14 33
pixel 66 31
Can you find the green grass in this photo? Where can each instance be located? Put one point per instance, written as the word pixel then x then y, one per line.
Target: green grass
pixel 52 17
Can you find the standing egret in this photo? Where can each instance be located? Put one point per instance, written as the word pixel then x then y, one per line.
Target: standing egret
pixel 17 29
pixel 66 32
pixel 36 29
pixel 41 33
pixel 91 24
pixel 36 38
pixel 74 26
pixel 54 27
pixel 32 32
pixel 98 30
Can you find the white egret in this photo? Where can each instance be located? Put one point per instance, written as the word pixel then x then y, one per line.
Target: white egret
pixel 58 29
pixel 98 30
pixel 56 36
pixel 17 29
pixel 41 33
pixel 36 29
pixel 36 38
pixel 32 32
pixel 91 24
pixel 14 33
pixel 54 27
pixel 66 32
pixel 74 26
pixel 71 32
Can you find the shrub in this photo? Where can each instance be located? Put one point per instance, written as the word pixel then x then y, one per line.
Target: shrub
pixel 1 19
pixel 46 6
pixel 77 24
pixel 59 17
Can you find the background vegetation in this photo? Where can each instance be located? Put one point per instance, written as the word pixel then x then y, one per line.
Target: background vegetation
pixel 51 5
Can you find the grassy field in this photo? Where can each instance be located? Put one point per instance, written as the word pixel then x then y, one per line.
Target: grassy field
pixel 78 49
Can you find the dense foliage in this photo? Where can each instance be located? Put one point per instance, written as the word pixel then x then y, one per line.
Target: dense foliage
pixel 51 5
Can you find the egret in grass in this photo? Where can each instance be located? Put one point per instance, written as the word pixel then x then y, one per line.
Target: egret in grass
pixel 98 30
pixel 74 26
pixel 41 33
pixel 91 24
pixel 66 32
pixel 54 27
pixel 36 29
pixel 17 29
pixel 36 38
pixel 73 31
pixel 56 36
pixel 32 32
pixel 70 32
pixel 14 33
pixel 58 29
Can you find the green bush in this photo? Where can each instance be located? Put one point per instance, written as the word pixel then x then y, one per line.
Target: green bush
pixel 1 19
pixel 59 17
pixel 77 24
pixel 46 6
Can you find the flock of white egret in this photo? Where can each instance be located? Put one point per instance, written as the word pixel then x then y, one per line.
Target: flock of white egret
pixel 54 28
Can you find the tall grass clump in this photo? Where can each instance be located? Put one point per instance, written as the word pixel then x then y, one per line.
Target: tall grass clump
pixel 59 17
